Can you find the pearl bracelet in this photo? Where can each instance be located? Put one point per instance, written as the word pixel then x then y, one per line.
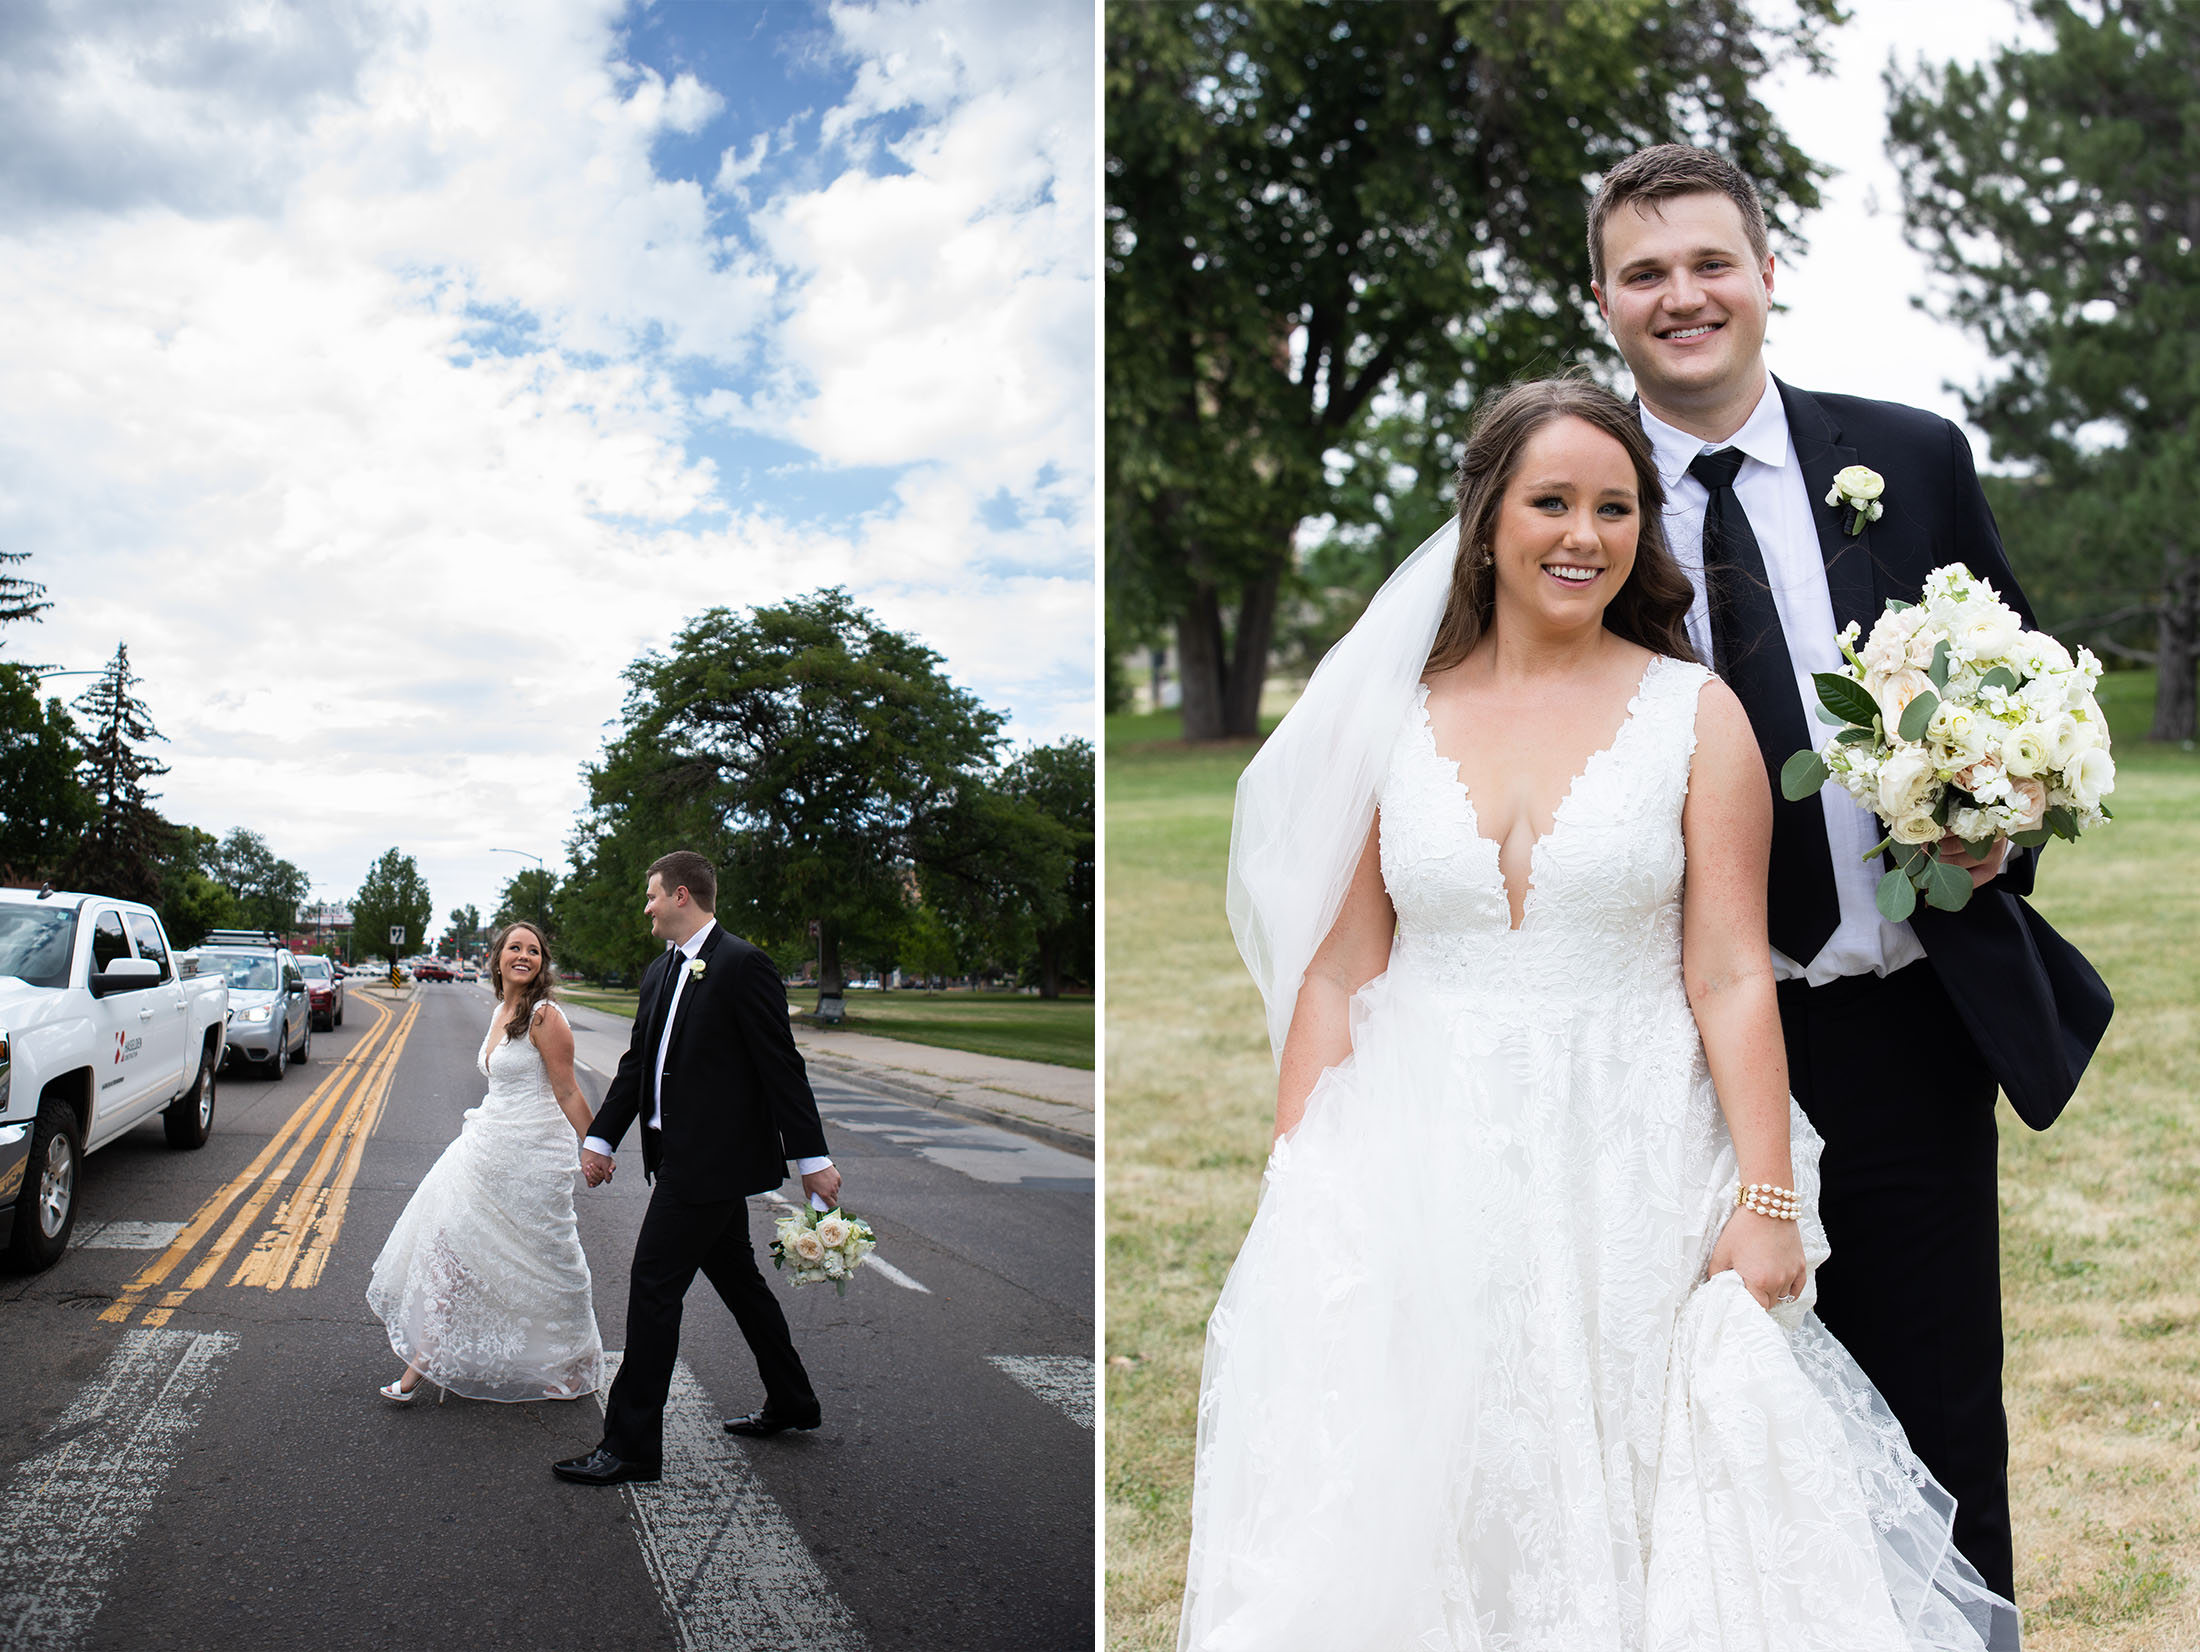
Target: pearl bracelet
pixel 1782 1204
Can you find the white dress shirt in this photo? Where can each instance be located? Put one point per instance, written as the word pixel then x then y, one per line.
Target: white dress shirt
pixel 689 950
pixel 1772 492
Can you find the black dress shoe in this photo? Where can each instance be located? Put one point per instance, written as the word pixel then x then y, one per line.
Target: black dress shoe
pixel 762 1424
pixel 601 1468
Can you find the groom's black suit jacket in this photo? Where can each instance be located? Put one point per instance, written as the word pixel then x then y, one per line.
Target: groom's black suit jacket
pixel 2033 1005
pixel 737 1102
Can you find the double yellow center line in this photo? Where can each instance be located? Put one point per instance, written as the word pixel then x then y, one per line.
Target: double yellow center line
pixel 293 1249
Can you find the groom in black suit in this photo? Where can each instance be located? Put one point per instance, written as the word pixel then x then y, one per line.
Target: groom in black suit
pixel 713 1073
pixel 1898 1035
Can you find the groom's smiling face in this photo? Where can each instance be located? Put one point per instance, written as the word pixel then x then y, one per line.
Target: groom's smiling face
pixel 1686 299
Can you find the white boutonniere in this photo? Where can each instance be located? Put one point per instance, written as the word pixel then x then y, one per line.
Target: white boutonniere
pixel 1858 487
pixel 695 969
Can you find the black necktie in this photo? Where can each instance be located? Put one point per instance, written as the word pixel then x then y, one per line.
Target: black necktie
pixel 1751 654
pixel 657 1019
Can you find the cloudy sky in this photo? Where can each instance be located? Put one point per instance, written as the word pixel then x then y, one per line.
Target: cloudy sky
pixel 391 373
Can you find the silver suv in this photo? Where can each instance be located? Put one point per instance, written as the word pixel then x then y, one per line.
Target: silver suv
pixel 270 1011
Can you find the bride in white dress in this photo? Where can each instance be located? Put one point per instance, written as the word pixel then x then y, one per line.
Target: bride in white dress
pixel 482 1282
pixel 1503 1364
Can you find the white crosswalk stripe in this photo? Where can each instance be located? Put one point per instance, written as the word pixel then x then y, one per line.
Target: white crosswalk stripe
pixel 1064 1381
pixel 72 1506
pixel 734 1574
pixel 127 1236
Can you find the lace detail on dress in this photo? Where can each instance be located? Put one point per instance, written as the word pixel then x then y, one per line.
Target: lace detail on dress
pixel 1466 1386
pixel 482 1282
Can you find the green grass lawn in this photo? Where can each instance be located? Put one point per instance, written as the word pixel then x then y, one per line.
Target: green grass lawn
pixel 985 1023
pixel 2100 1224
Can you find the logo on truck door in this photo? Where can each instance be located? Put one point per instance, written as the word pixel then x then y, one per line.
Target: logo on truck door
pixel 126 1051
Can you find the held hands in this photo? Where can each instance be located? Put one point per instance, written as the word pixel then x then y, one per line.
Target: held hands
pixel 1768 1255
pixel 595 1167
pixel 825 1184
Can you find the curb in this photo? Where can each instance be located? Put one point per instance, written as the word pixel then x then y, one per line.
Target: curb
pixel 903 1090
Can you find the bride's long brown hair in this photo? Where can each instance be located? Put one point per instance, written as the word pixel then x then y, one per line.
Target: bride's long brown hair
pixel 534 992
pixel 1650 609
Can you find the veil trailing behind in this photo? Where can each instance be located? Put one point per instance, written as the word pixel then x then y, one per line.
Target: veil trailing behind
pixel 1498 1407
pixel 1306 800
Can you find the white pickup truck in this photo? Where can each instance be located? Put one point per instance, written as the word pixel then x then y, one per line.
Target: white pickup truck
pixel 98 1032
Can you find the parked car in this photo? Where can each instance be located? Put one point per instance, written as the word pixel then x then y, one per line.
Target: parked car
pixel 270 1012
pixel 324 992
pixel 102 1026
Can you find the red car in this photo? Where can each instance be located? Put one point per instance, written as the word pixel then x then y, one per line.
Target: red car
pixel 431 969
pixel 324 992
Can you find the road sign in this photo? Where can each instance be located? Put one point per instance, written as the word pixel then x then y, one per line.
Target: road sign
pixel 397 934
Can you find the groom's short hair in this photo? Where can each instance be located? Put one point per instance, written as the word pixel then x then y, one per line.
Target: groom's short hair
pixel 1667 170
pixel 684 868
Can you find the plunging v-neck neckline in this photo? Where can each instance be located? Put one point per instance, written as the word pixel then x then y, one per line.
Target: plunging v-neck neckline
pixel 1535 849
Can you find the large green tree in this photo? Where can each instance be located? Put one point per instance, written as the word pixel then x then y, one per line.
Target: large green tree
pixel 394 893
pixel 193 898
pixel 803 747
pixel 267 887
pixel 2056 189
pixel 1317 210
pixel 995 867
pixel 121 852
pixel 602 929
pixel 1061 781
pixel 44 805
pixel 530 893
pixel 1010 866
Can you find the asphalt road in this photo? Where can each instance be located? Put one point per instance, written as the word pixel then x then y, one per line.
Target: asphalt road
pixel 200 1459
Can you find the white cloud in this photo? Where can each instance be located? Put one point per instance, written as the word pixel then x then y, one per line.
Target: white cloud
pixel 368 402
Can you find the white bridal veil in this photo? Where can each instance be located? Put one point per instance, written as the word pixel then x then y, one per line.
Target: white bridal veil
pixel 1305 802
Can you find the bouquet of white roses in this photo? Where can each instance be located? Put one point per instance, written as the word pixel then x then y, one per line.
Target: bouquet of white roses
pixel 1955 721
pixel 822 1245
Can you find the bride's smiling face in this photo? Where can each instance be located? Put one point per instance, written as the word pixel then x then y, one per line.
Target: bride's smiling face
pixel 520 961
pixel 1564 540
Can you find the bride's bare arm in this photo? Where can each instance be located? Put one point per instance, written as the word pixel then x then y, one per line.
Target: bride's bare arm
pixel 1726 963
pixel 1354 953
pixel 554 1039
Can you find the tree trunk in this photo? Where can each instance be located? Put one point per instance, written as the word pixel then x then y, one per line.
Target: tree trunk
pixel 830 983
pixel 1200 664
pixel 1050 968
pixel 2177 647
pixel 1256 631
pixel 1222 677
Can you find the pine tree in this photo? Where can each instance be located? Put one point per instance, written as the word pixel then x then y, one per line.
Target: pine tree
pixel 20 598
pixel 122 852
pixel 2054 189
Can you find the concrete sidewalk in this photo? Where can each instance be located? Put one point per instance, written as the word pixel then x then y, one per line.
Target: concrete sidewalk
pixel 1033 1098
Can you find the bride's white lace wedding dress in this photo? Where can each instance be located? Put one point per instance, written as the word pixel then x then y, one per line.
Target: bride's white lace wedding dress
pixel 482 1282
pixel 1466 1386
